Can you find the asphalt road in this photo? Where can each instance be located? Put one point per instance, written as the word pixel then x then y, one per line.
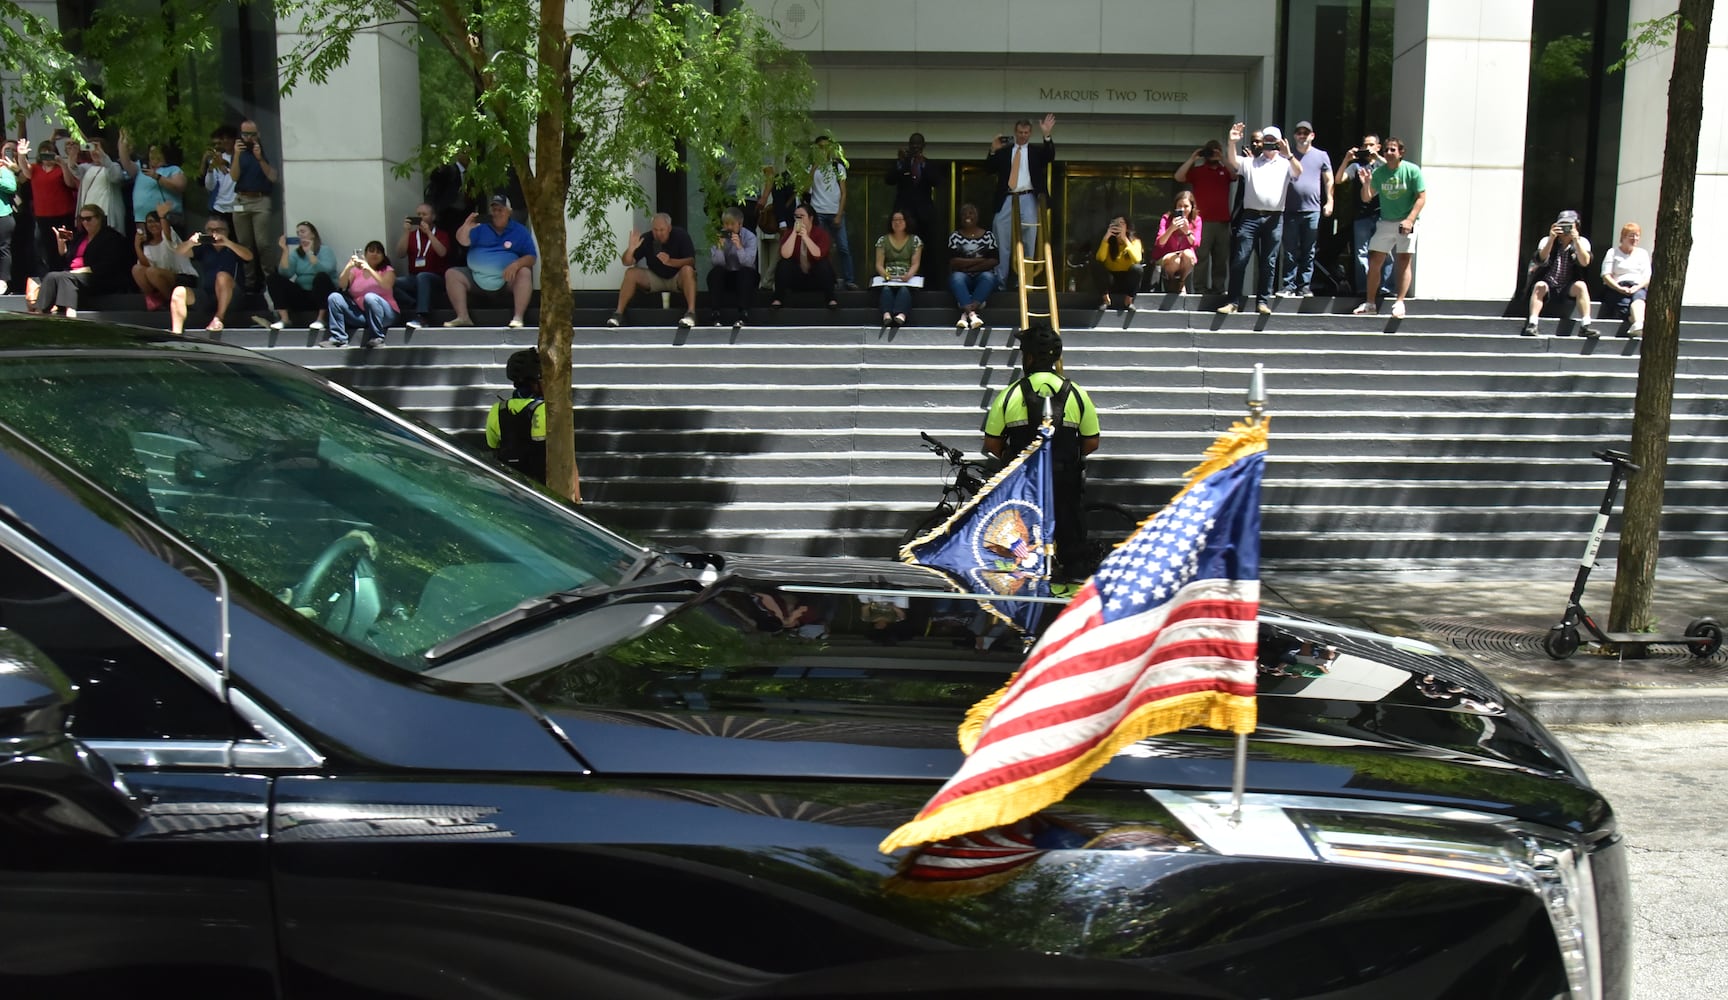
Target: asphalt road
pixel 1669 786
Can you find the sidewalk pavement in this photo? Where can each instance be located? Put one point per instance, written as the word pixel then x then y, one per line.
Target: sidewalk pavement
pixel 1498 624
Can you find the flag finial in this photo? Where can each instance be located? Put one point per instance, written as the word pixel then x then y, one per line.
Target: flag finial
pixel 1257 394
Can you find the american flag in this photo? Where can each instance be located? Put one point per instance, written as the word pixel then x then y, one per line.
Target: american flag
pixel 1162 637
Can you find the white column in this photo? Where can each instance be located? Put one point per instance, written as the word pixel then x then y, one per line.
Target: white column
pixel 342 139
pixel 1460 76
pixel 1643 139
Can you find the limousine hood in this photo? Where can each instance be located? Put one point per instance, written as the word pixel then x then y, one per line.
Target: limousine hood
pixel 862 670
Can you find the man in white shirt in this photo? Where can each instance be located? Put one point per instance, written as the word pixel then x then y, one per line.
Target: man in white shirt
pixel 1266 177
pixel 828 200
pixel 1020 170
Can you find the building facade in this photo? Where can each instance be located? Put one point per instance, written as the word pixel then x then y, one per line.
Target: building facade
pixel 1507 105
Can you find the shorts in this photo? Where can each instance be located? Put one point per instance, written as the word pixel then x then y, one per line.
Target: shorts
pixel 655 283
pixel 474 282
pixel 1620 304
pixel 1387 238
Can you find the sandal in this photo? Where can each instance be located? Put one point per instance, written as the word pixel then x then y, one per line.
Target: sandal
pixel 214 326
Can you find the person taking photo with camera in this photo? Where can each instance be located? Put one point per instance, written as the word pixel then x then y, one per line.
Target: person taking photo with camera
pixel 1357 166
pixel 1266 176
pixel 1559 269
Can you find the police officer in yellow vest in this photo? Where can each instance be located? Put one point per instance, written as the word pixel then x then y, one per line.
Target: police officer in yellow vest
pixel 516 427
pixel 1013 420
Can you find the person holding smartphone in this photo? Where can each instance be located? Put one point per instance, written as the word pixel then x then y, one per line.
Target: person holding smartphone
pixel 54 201
pixel 1119 262
pixel 424 246
pixel 1559 271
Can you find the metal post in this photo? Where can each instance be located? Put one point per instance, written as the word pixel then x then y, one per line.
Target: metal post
pixel 1239 773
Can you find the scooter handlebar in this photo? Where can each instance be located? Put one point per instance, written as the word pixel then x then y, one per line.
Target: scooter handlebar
pixel 1619 458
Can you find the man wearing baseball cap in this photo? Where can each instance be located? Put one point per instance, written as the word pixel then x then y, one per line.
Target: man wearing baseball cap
pixel 1561 272
pixel 501 256
pixel 1309 200
pixel 1266 178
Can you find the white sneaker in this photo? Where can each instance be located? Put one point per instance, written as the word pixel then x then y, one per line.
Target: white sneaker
pixel 1398 310
pixel 277 325
pixel 1365 309
pixel 963 322
pixel 415 324
pixel 1635 330
pixel 315 326
pixel 514 324
pixel 976 321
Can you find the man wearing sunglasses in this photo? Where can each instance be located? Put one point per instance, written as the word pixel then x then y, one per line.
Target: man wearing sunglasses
pixel 255 180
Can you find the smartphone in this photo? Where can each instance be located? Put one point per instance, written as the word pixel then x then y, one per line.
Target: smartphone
pixel 293 241
pixel 412 220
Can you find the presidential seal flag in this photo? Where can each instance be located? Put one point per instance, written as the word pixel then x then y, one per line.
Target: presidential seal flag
pixel 999 542
pixel 1162 637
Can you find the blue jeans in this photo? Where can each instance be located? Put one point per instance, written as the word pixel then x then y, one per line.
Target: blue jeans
pixel 1004 221
pixel 415 295
pixel 896 298
pixel 377 316
pixel 836 226
pixel 970 288
pixel 1361 231
pixel 1256 238
pixel 1301 229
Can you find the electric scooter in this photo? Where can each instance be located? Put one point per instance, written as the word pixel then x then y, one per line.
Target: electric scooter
pixel 1703 635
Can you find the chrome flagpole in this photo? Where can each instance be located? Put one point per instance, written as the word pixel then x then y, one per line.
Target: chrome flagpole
pixel 1239 773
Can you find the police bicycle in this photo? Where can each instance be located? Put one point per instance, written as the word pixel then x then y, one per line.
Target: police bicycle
pixel 1106 523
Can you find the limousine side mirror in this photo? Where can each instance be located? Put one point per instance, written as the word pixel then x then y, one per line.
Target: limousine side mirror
pixel 50 784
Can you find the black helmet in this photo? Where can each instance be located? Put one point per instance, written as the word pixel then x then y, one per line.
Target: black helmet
pixel 523 367
pixel 1040 340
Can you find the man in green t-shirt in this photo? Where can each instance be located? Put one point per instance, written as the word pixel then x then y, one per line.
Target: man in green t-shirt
pixel 1398 184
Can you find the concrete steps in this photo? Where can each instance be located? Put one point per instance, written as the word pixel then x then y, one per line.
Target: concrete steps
pixel 1395 444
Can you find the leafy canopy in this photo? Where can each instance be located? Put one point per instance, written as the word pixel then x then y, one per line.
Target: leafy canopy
pixel 632 82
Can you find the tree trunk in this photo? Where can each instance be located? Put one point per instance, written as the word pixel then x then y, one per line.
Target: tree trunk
pixel 1640 530
pixel 547 187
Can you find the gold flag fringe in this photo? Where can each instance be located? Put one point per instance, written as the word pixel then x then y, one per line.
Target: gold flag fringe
pixel 1016 800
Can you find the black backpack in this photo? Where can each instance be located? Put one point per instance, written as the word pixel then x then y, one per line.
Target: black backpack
pixel 516 445
pixel 1065 443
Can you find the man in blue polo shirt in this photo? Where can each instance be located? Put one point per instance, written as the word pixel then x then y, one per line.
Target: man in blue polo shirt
pixel 501 255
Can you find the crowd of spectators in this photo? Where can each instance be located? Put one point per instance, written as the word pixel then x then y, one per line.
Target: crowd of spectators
pixel 1245 220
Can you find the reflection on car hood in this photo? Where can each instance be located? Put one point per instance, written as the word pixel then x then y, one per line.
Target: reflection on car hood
pixel 867 668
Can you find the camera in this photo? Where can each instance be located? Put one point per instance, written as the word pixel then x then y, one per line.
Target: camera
pixel 1364 156
pixel 1006 140
pixel 412 220
pixel 1565 227
pixel 1268 146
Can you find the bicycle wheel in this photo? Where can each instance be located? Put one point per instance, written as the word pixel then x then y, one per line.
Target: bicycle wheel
pixel 942 513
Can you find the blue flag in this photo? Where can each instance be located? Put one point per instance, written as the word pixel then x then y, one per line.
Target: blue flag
pixel 999 542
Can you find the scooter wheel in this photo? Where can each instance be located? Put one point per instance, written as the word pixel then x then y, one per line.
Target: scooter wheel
pixel 1560 642
pixel 1708 630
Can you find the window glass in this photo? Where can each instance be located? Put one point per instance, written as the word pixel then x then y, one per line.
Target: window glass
pixel 125 691
pixel 370 529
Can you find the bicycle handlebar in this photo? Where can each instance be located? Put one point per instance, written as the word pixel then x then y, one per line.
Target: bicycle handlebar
pixel 954 455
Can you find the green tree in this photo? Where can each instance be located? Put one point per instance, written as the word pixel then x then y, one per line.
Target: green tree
pixel 575 103
pixel 1652 408
pixel 149 65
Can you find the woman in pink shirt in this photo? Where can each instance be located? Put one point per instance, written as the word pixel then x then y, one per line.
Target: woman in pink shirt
pixel 367 296
pixel 1178 238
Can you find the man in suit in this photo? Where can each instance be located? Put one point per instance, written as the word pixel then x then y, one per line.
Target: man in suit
pixel 1019 167
pixel 915 180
